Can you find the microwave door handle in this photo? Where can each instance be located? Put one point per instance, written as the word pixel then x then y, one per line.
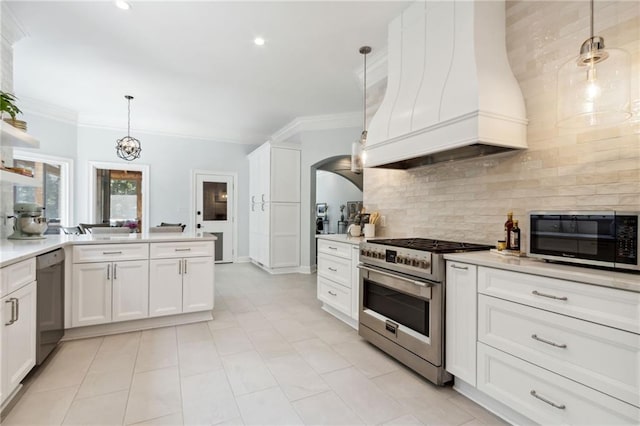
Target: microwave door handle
pixel 395 277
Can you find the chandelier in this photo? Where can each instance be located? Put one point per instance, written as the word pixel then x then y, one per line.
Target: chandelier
pixel 128 148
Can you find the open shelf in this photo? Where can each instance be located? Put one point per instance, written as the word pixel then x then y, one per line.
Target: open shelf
pixel 10 136
pixel 17 179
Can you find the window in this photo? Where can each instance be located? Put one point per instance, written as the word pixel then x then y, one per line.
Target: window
pixel 120 197
pixel 53 194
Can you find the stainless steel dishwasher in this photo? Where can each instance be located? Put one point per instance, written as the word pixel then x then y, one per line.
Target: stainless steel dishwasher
pixel 50 302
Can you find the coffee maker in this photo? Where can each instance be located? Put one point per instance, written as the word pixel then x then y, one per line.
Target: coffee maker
pixel 30 224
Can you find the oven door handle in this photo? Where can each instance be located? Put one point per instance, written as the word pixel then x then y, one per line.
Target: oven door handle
pixel 394 276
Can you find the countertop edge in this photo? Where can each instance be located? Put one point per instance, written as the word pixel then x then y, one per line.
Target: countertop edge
pixel 603 278
pixel 341 238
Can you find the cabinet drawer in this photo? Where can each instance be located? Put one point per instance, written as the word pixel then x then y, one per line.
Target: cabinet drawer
pixel 110 252
pixel 531 391
pixel 608 306
pixel 603 358
pixel 336 249
pixel 181 249
pixel 336 269
pixel 14 276
pixel 334 295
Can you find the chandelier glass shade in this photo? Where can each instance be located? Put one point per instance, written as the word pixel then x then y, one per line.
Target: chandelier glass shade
pixel 128 148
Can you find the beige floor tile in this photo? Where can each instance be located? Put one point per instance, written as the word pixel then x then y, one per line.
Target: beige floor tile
pixel 247 373
pixel 102 383
pixel 231 341
pixel 332 331
pixel 222 319
pixel 208 399
pixel 406 420
pixel 158 349
pixel 41 408
pixel 326 409
pixel 154 394
pixel 239 305
pixel 367 358
pixel 195 332
pixel 296 378
pixel 162 334
pixel 98 410
pixel 269 343
pixel 105 362
pixel 320 356
pixel 480 413
pixel 233 422
pixel 274 311
pixel 293 331
pixel 252 321
pixel 404 383
pixel 198 357
pixel 125 343
pixel 363 396
pixel 174 419
pixel 267 407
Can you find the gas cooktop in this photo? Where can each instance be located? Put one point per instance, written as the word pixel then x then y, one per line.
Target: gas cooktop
pixel 433 246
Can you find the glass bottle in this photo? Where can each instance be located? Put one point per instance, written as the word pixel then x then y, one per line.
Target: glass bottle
pixel 515 237
pixel 507 229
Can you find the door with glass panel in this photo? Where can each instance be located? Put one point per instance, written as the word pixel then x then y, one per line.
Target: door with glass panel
pixel 214 212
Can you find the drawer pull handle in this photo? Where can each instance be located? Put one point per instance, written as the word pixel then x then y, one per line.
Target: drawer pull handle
pixel 333 248
pixel 463 268
pixel 332 293
pixel 548 342
pixel 108 272
pixel 543 399
pixel 183 249
pixel 14 317
pixel 332 269
pixel 111 252
pixel 550 296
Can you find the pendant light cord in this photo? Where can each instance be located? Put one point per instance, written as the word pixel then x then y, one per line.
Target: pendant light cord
pixel 592 19
pixel 128 117
pixel 364 98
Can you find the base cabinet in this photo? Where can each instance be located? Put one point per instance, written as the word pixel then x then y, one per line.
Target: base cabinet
pixel 130 296
pixel 197 288
pixel 18 337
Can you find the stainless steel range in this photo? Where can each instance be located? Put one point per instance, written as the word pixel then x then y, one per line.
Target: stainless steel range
pixel 402 284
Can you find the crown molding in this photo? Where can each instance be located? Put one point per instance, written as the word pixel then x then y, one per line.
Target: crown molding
pixel 48 110
pixel 376 68
pixel 12 30
pixel 317 122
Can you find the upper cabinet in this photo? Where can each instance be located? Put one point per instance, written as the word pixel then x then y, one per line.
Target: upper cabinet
pixel 10 136
pixel 450 90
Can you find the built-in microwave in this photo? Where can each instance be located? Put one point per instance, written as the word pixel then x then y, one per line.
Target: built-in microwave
pixel 604 238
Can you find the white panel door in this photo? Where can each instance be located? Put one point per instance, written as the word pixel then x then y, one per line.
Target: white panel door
pixel 130 290
pixel 215 213
pixel 165 287
pixel 197 284
pixel 18 313
pixel 91 294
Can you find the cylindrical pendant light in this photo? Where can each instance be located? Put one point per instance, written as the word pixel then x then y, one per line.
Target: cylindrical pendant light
pixel 357 147
pixel 593 89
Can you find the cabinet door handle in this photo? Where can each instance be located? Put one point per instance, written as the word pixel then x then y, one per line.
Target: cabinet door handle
pixel 185 266
pixel 115 271
pixel 108 272
pixel 253 199
pixel 332 293
pixel 17 309
pixel 263 199
pixel 253 207
pixel 333 248
pixel 332 269
pixel 13 310
pixel 550 296
pixel 183 249
pixel 543 399
pixel 111 252
pixel 548 342
pixel 462 268
pixel 262 206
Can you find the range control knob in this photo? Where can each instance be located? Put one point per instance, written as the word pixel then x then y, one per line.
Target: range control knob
pixel 400 260
pixel 424 264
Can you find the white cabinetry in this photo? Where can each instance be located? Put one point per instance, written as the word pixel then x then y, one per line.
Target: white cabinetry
pixel 461 310
pixel 555 351
pixel 18 326
pixel 338 283
pixel 104 292
pixel 181 278
pixel 274 214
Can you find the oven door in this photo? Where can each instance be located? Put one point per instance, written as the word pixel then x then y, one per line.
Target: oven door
pixel 404 309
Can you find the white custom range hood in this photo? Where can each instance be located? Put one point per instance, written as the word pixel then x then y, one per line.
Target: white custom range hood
pixel 450 90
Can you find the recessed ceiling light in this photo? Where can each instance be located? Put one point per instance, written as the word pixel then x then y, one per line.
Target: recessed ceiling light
pixel 259 41
pixel 121 4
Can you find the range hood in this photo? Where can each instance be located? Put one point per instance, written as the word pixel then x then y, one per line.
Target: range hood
pixel 451 93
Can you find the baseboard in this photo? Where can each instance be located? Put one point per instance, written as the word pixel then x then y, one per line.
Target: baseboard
pixel 342 317
pixel 137 325
pixel 243 259
pixel 278 271
pixel 307 269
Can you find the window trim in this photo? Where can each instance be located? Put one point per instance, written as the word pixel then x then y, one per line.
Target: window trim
pixel 67 213
pixel 144 168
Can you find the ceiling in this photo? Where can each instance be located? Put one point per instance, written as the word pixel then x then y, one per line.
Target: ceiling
pixel 192 66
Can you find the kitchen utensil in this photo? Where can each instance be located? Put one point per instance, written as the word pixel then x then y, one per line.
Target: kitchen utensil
pixel 29 223
pixel 354 230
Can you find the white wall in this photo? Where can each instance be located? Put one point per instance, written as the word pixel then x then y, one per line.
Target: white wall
pixel 333 189
pixel 57 137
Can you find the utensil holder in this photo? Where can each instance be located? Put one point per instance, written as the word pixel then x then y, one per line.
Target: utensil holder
pixel 369 230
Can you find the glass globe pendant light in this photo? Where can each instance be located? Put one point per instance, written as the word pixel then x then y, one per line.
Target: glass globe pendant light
pixel 128 148
pixel 357 147
pixel 593 89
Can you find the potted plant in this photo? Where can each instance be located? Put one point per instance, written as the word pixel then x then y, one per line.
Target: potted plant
pixel 8 106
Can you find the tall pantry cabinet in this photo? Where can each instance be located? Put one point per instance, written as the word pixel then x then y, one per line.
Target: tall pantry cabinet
pixel 274 207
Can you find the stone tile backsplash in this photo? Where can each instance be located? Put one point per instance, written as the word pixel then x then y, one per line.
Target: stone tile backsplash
pixel 578 170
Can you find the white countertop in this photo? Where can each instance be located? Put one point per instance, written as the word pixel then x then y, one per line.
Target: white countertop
pixel 12 251
pixel 619 280
pixel 341 238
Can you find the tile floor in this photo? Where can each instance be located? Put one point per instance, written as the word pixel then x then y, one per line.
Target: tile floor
pixel 270 356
